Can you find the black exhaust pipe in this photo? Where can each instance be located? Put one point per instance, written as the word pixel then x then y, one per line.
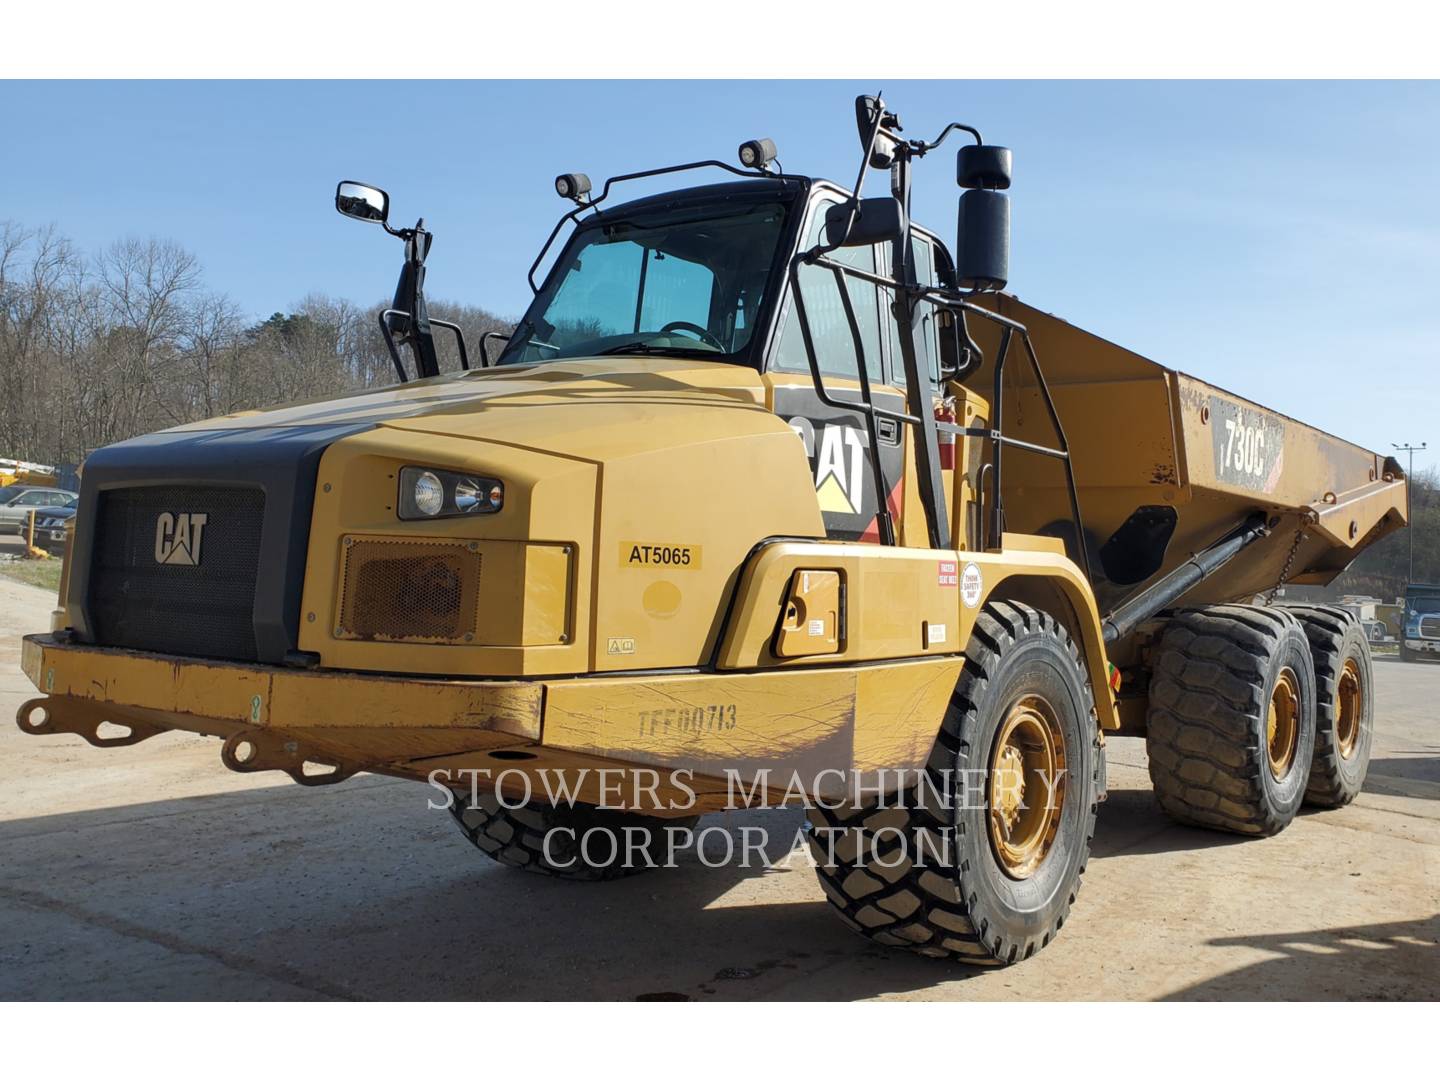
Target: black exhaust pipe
pixel 1182 579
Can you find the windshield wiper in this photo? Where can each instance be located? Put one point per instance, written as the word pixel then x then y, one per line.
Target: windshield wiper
pixel 659 350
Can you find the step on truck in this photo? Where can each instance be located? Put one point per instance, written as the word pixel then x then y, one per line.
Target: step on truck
pixel 770 495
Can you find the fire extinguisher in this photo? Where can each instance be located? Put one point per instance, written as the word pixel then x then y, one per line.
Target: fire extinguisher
pixel 945 414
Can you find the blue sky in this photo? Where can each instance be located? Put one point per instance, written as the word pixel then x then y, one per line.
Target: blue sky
pixel 1279 239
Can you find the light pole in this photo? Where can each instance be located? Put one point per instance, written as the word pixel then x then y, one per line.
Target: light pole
pixel 1409 471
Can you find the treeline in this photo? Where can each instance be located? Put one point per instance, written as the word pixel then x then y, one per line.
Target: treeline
pixel 100 347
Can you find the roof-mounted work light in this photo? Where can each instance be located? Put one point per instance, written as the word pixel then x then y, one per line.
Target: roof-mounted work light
pixel 757 154
pixel 573 186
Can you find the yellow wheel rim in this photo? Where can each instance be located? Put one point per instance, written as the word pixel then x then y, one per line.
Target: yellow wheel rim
pixel 1282 731
pixel 1027 787
pixel 1349 708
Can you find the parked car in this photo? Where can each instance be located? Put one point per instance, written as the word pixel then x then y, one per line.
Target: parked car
pixel 50 528
pixel 14 491
pixel 15 513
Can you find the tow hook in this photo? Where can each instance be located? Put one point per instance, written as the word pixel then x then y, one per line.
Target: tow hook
pixel 62 715
pixel 261 751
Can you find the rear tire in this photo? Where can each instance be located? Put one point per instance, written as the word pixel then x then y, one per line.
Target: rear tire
pixel 966 880
pixel 576 842
pixel 1344 699
pixel 1231 723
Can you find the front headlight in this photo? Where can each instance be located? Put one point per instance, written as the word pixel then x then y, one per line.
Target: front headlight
pixel 434 493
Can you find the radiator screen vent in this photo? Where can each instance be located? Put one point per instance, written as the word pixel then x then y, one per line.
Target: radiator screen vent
pixel 409 590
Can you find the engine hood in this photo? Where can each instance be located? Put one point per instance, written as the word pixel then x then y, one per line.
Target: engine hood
pixel 453 402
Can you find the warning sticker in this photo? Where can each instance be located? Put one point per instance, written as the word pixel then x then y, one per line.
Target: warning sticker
pixel 971 585
pixel 949 573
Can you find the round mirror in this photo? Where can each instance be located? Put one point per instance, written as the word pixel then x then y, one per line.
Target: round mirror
pixel 361 201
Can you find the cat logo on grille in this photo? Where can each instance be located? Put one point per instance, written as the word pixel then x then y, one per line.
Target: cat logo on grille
pixel 177 538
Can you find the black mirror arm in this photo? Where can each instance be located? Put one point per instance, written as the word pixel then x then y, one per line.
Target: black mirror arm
pixel 410 300
pixel 923 148
pixel 854 203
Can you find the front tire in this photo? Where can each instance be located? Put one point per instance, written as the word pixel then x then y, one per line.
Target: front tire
pixel 575 842
pixel 987 876
pixel 1230 728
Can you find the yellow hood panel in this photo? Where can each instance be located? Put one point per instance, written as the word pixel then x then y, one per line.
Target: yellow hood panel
pixel 453 402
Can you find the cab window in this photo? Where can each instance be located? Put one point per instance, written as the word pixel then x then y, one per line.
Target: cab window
pixel 927 338
pixel 825 311
pixel 598 297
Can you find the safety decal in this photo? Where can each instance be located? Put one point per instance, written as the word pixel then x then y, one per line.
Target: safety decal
pixel 971 585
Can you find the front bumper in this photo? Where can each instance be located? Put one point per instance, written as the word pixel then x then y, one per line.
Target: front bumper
pixel 347 722
pixel 667 744
pixel 1421 645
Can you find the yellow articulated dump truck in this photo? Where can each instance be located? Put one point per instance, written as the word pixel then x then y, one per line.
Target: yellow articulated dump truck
pixel 769 496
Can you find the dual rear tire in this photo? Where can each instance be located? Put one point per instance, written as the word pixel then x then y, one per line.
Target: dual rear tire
pixel 1255 711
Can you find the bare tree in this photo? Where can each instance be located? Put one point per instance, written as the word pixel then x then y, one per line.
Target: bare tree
pixel 94 350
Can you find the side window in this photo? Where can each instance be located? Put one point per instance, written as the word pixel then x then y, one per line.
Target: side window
pixel 829 328
pixel 927 338
pixel 31 498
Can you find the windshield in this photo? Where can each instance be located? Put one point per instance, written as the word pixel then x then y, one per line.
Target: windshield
pixel 682 282
pixel 1425 605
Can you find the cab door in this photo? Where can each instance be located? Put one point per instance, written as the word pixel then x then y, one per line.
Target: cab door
pixel 837 440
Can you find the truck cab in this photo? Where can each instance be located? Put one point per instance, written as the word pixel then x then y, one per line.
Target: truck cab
pixel 1420 622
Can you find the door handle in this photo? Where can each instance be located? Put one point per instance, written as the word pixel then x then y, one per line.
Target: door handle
pixel 888 430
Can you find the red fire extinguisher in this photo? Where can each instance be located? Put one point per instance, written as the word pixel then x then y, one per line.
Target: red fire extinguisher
pixel 945 414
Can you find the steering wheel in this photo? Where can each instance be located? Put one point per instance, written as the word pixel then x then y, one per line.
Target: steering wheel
pixel 699 331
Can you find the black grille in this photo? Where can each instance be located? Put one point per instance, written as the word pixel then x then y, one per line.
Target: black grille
pixel 206 609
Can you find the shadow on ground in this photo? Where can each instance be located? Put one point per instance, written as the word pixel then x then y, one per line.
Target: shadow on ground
pixel 359 891
pixel 1324 965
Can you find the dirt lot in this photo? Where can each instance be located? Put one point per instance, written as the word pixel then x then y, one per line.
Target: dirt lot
pixel 152 872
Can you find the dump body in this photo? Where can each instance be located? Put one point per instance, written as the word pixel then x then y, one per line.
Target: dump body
pixel 1166 465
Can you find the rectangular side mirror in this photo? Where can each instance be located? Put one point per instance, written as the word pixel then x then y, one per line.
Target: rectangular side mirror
pixel 362 202
pixel 982 253
pixel 879 221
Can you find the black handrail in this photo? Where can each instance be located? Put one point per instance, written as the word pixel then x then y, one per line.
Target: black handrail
pixel 959 303
pixel 389 313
